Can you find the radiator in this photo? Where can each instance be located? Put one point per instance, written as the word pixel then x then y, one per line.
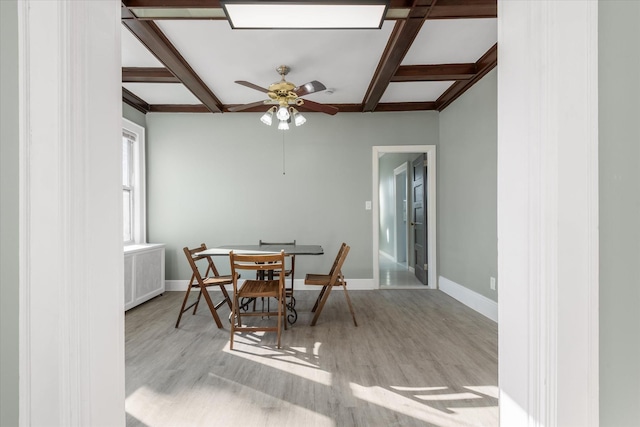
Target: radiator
pixel 143 273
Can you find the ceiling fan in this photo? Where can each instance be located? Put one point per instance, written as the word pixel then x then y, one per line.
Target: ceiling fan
pixel 283 94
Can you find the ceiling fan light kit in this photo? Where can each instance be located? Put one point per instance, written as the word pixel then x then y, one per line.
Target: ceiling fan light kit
pixel 296 14
pixel 267 118
pixel 285 94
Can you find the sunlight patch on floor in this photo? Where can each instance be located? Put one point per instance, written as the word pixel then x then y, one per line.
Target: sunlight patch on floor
pixel 408 406
pixel 296 361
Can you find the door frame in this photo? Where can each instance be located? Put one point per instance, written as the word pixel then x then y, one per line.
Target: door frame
pixel 430 152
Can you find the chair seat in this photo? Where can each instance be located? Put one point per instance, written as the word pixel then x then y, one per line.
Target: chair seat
pixel 317 279
pixel 258 288
pixel 220 280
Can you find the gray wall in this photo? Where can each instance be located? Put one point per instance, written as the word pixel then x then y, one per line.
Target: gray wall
pixel 467 188
pixel 9 213
pixel 619 164
pixel 130 113
pixel 219 179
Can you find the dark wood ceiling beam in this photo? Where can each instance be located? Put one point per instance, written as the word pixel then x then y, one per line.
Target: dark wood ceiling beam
pixel 147 75
pixel 456 9
pixel 405 106
pixel 444 9
pixel 132 100
pixel 485 64
pixel 404 32
pixel 434 73
pixel 172 4
pixel 178 108
pixel 150 35
pixel 344 108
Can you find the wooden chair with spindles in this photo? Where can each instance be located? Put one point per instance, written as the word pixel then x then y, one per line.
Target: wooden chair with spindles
pixel 210 278
pixel 328 281
pixel 266 285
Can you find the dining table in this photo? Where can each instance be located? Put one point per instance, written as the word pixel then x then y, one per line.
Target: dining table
pixel 264 249
pixel 289 250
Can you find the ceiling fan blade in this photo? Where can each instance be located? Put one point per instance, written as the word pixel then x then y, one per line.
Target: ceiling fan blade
pixel 246 106
pixel 252 86
pixel 307 88
pixel 323 108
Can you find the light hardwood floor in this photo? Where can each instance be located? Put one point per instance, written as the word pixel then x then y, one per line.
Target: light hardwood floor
pixel 417 358
pixel 395 275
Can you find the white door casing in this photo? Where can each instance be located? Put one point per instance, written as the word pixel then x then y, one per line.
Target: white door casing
pixel 71 257
pixel 430 151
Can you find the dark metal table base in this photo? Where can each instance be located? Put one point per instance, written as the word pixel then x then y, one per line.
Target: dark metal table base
pixel 292 317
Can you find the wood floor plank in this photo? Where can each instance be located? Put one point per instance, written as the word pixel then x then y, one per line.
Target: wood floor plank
pixel 417 358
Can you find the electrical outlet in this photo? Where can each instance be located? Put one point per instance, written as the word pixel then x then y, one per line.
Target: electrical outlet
pixel 492 283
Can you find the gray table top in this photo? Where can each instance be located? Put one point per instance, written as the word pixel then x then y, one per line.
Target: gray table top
pixel 264 249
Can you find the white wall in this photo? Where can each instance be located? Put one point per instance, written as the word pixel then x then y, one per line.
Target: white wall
pixel 219 179
pixel 71 309
pixel 619 154
pixel 467 188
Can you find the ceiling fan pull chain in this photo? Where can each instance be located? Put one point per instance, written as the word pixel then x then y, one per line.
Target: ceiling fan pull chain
pixel 283 164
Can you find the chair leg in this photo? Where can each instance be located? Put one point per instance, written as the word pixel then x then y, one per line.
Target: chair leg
pixel 280 311
pixel 315 306
pixel 284 310
pixel 184 302
pixel 226 296
pixel 324 294
pixel 234 319
pixel 346 294
pixel 197 303
pixel 207 298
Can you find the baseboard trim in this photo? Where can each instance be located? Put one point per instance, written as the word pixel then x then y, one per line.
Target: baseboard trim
pixel 471 299
pixel 352 284
pixel 387 256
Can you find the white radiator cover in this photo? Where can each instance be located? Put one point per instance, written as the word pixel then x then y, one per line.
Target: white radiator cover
pixel 143 273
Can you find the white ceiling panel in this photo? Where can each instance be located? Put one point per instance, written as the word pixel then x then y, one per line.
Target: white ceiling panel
pixel 134 53
pixel 162 93
pixel 414 91
pixel 344 60
pixel 451 41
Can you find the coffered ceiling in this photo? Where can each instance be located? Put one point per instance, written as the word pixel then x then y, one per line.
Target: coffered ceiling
pixel 183 56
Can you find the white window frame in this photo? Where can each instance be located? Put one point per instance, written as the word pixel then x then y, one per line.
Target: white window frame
pixel 138 184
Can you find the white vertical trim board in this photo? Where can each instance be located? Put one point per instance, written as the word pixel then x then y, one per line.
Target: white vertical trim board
pixel 548 213
pixel 430 151
pixel 71 269
pixel 483 305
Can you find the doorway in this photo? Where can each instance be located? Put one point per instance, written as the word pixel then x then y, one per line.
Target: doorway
pixel 394 228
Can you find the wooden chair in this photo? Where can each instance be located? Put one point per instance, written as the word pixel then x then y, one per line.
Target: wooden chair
pixel 290 272
pixel 266 285
pixel 203 282
pixel 328 281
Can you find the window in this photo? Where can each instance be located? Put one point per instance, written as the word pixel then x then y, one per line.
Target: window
pixel 133 184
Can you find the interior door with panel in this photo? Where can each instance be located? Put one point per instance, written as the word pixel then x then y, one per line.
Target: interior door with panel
pixel 419 222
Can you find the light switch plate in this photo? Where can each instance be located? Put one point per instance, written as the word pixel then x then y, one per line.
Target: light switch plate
pixel 367 205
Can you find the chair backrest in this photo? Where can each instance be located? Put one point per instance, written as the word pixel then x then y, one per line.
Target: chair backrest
pixel 193 262
pixel 336 270
pixel 335 262
pixel 262 262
